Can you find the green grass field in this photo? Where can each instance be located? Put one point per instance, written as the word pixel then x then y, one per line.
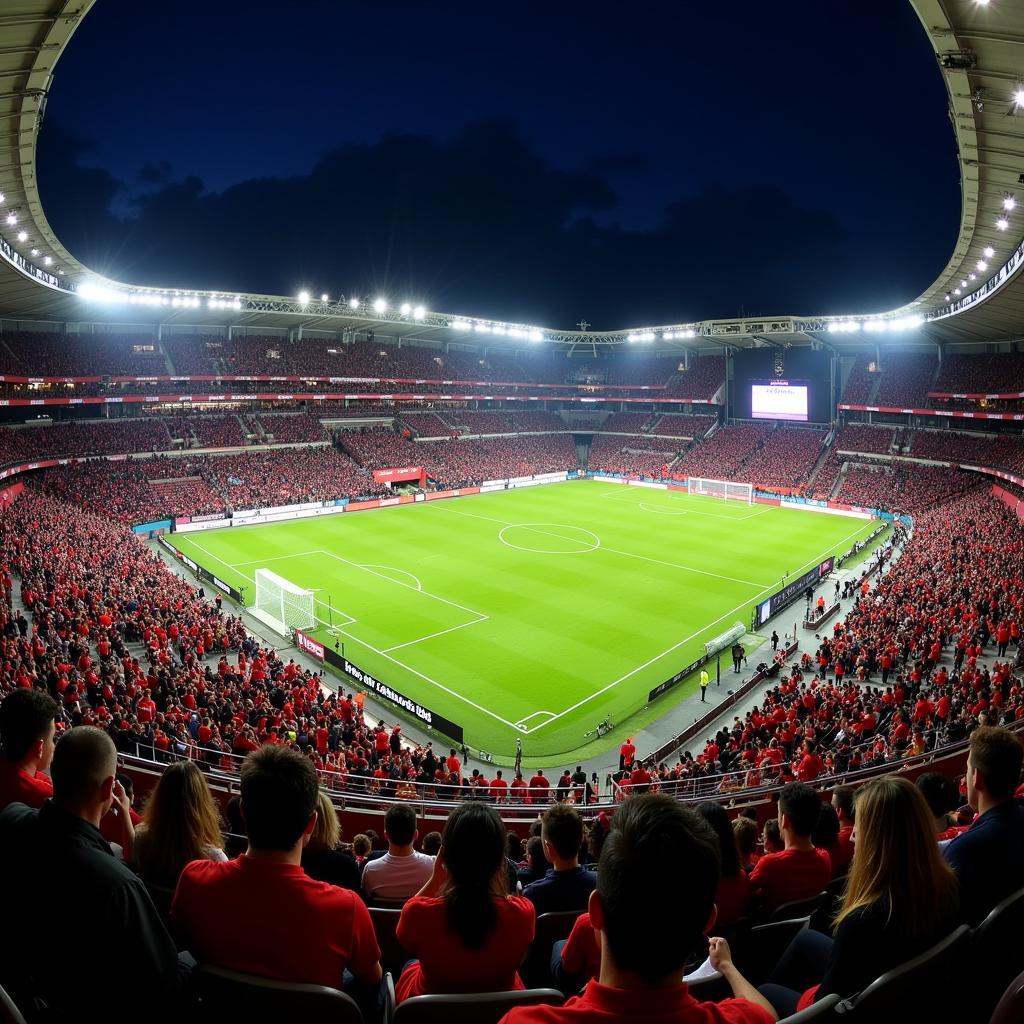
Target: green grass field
pixel 533 613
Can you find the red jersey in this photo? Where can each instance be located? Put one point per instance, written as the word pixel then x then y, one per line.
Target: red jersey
pixel 790 875
pixel 18 787
pixel 235 915
pixel 446 964
pixel 644 1006
pixel 581 954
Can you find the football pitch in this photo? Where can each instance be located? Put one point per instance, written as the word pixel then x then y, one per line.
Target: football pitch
pixel 537 613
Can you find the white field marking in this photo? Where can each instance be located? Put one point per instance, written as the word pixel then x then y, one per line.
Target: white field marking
pixel 276 558
pixel 349 619
pixel 408 586
pixel 535 528
pixel 394 661
pixel 614 551
pixel 391 568
pixel 522 721
pixel 678 496
pixel 663 511
pixel 430 636
pixel 693 636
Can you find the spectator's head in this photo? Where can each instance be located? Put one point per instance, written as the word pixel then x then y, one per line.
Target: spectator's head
pixel 718 818
pixel 431 843
pixel 233 816
pixel 83 770
pixel 799 807
pixel 897 859
pixel 773 836
pixel 473 851
pixel 327 833
pixel 826 828
pixel 180 824
pixel 400 827
pixel 940 795
pixel 562 834
pixel 28 719
pixel 514 847
pixel 843 802
pixel 656 878
pixel 279 798
pixel 535 854
pixel 993 767
pixel 746 834
pixel 361 845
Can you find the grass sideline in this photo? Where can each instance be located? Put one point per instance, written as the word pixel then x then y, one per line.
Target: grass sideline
pixel 534 613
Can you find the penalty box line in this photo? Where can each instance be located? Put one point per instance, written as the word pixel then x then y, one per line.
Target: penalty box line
pixel 681 643
pixel 387 656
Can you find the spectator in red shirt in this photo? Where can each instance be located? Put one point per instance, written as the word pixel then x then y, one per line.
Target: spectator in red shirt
pixel 626 754
pixel 732 897
pixel 28 719
pixel 656 878
pixel 467 933
pixel 540 788
pixel 842 852
pixel 811 765
pixel 261 913
pixel 799 871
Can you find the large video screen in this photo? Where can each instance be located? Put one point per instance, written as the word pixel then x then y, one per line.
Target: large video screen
pixel 779 400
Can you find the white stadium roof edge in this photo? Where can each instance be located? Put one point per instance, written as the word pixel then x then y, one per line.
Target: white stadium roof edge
pixel 978 297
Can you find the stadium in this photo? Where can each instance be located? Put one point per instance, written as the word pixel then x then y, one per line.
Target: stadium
pixel 737 600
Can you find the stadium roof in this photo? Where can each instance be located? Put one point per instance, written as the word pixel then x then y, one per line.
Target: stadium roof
pixel 979 296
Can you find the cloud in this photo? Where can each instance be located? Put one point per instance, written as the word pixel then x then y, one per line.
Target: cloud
pixel 155 172
pixel 478 223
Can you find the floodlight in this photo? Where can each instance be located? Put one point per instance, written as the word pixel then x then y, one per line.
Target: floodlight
pixel 972 276
pixel 303 298
pixel 1018 96
pixel 1002 223
pixel 981 265
pixel 1009 202
pixel 324 297
pixel 989 252
pixel 419 313
pixel 482 328
pixel 947 297
pixel 536 336
pixel 379 305
pixel 22 236
pixel 963 284
pixel 353 303
pixel 12 218
pixel 3 198
pixel 956 291
pixel 405 309
pixel 34 252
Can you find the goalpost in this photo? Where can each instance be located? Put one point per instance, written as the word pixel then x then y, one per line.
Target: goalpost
pixel 281 604
pixel 729 489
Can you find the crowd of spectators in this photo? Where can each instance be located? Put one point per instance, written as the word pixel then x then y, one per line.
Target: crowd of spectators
pixel 704 377
pixel 725 452
pixel 288 428
pixel 38 354
pixel 906 379
pixel 1003 450
pixel 464 463
pixel 628 423
pixel 426 424
pixel 215 431
pixel 609 454
pixel 860 382
pixel 903 487
pixel 82 438
pixel 985 373
pixel 680 425
pixel 785 459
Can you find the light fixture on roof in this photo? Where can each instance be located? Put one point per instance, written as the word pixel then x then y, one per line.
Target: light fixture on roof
pixel 963 284
pixel 3 198
pixel 947 296
pixel 22 236
pixel 324 297
pixel 482 328
pixel 353 303
pixel 956 291
pixel 1009 200
pixel 1002 223
pixel 405 309
pixel 379 305
pixel 536 335
pixel 419 313
pixel 34 252
pixel 303 297
pixel 1018 96
pixel 981 265
pixel 461 325
pixel 12 218
pixel 989 252
pixel 972 276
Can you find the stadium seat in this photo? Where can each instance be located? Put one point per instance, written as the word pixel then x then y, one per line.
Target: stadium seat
pixel 824 1009
pixel 919 984
pixel 536 966
pixel 759 948
pixel 9 1013
pixel 996 953
pixel 472 1008
pixel 797 908
pixel 1010 1009
pixel 230 995
pixel 393 956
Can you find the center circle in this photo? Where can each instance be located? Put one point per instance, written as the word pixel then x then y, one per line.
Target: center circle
pixel 549 538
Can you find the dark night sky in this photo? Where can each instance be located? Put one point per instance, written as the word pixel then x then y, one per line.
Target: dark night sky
pixel 628 163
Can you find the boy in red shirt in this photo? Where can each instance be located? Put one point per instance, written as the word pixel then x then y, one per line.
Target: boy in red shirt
pixel 27 723
pixel 657 877
pixel 800 871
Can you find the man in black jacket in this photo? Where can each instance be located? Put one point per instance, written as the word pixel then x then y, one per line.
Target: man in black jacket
pixel 82 934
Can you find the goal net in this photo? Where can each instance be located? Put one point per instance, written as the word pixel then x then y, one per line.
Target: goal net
pixel 281 604
pixel 721 489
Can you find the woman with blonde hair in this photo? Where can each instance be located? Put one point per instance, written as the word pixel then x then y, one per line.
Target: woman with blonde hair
pixel 180 824
pixel 322 859
pixel 901 899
